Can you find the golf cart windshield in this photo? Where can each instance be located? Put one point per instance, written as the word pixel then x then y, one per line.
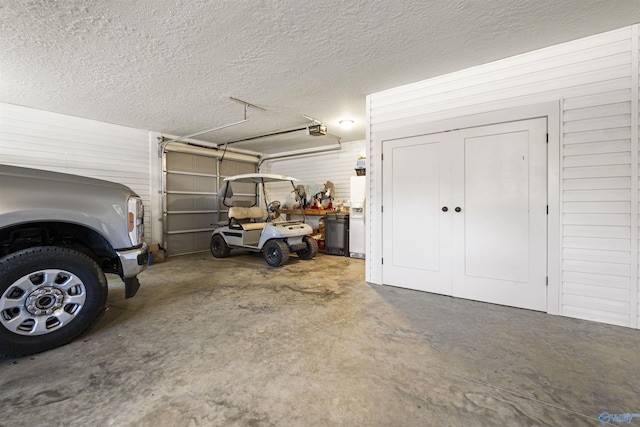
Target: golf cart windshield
pixel 235 191
pixel 260 178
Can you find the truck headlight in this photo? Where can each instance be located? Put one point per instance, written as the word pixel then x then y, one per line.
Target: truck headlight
pixel 135 218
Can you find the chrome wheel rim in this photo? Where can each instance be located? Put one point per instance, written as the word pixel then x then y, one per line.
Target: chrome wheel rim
pixel 42 302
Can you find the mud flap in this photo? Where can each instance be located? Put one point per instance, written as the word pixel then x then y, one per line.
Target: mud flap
pixel 131 286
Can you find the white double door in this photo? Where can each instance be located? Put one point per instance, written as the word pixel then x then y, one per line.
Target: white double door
pixel 465 213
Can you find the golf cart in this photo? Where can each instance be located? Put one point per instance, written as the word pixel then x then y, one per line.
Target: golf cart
pixel 251 228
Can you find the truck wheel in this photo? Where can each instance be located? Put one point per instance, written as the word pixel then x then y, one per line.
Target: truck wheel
pixel 219 247
pixel 311 250
pixel 48 296
pixel 276 253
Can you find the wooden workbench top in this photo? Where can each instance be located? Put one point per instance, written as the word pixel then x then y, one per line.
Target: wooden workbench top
pixel 311 212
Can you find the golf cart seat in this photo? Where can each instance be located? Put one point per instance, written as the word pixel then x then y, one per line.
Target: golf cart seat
pixel 246 218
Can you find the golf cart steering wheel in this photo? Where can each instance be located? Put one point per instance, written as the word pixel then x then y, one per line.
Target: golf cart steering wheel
pixel 274 209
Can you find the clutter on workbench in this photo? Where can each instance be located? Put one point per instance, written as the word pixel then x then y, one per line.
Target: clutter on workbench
pixel 323 199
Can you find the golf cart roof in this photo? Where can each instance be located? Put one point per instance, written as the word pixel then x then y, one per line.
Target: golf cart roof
pixel 259 178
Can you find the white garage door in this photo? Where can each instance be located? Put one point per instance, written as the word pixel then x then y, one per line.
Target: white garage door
pixel 465 213
pixel 191 206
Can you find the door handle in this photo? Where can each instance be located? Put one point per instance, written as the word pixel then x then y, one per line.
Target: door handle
pixel 457 209
pixel 444 209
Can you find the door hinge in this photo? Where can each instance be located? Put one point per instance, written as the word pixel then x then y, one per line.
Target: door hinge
pixel 547 283
pixel 381 156
pixel 547 138
pixel 381 209
pixel 382 260
pixel 547 209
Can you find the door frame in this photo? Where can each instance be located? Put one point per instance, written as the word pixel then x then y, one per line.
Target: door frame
pixel 549 110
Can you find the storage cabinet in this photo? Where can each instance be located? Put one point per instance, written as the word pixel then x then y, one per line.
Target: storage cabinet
pixel 465 213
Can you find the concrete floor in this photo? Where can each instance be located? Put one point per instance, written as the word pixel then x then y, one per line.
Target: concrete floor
pixel 210 342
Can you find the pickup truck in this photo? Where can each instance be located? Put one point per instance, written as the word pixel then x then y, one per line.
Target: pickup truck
pixel 59 235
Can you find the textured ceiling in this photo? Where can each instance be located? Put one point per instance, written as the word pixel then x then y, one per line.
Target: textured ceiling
pixel 171 65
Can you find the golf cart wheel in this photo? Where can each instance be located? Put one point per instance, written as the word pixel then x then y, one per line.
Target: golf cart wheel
pixel 219 247
pixel 310 251
pixel 276 253
pixel 48 296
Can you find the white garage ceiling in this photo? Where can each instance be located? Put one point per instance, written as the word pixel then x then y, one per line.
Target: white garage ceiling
pixel 172 65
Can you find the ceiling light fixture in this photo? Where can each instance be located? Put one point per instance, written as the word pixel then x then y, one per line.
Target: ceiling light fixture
pixel 346 123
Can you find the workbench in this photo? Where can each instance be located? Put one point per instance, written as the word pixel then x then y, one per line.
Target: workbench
pixel 312 215
pixel 310 212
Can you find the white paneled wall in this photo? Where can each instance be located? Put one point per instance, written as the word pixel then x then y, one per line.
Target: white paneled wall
pixel 334 166
pixel 596 192
pixel 596 82
pixel 61 143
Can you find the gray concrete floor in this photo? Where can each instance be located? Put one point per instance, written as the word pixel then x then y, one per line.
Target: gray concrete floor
pixel 209 342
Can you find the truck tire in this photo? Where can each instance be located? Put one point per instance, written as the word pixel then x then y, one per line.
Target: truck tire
pixel 276 252
pixel 310 251
pixel 48 296
pixel 219 247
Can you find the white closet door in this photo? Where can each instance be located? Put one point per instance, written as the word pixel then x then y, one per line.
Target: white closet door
pixel 500 233
pixel 465 213
pixel 417 237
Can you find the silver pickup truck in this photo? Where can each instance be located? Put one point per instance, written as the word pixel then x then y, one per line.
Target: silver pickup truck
pixel 59 235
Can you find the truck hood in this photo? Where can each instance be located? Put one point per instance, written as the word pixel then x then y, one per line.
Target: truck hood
pixel 22 172
pixel 31 195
